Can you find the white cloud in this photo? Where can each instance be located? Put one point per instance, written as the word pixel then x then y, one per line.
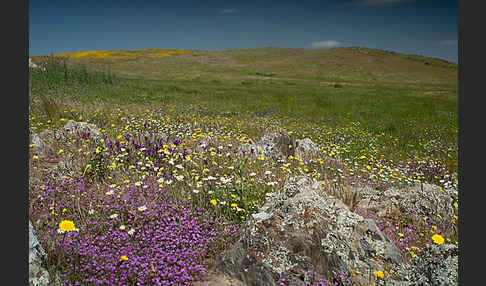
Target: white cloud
pixel 448 43
pixel 325 44
pixel 229 11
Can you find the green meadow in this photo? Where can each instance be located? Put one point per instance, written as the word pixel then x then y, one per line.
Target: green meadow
pixel 389 119
pixel 411 98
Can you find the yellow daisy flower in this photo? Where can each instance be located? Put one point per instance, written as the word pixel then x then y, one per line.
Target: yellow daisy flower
pixel 66 225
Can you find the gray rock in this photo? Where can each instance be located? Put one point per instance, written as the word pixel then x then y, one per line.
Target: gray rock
pixel 277 143
pixel 78 130
pixel 415 202
pixel 261 216
pixel 39 145
pixel 38 275
pixel 435 265
pixel 306 229
pixel 274 142
pixel 307 150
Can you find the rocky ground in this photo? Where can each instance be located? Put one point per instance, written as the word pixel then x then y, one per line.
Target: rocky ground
pixel 303 229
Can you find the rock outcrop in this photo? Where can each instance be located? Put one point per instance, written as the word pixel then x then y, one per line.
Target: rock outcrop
pixel 274 142
pixel 39 145
pixel 38 274
pixel 277 143
pixel 72 129
pixel 307 150
pixel 303 229
pixel 435 265
pixel 78 129
pixel 415 202
pixel 44 141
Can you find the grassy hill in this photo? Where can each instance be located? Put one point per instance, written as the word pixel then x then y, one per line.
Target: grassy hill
pixel 172 122
pixel 407 96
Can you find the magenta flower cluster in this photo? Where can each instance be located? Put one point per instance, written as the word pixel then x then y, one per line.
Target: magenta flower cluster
pixel 164 243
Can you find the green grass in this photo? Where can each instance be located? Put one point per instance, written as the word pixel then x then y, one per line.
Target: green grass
pixel 392 93
pixel 387 119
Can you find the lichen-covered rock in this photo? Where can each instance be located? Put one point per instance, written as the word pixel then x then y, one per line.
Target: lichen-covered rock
pixel 435 265
pixel 274 142
pixel 303 228
pixel 38 275
pixel 415 202
pixel 78 130
pixel 307 150
pixel 278 143
pixel 39 145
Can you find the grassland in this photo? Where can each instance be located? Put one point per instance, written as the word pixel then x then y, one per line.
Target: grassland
pixel 389 118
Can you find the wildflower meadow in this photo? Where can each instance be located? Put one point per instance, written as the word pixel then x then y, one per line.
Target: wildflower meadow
pixel 161 192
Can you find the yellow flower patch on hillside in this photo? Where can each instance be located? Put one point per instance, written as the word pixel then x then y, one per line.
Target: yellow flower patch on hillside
pixel 116 55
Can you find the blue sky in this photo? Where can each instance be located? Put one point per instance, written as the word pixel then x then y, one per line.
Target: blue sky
pixel 424 27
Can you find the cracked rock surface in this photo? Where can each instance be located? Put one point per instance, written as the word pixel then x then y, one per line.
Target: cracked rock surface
pixel 38 275
pixel 303 228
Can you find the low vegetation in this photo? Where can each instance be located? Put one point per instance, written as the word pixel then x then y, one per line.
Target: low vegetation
pixel 162 192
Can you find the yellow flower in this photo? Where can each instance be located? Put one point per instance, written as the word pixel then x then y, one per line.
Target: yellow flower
pixel 438 239
pixel 234 205
pixel 66 225
pixel 123 258
pixel 213 202
pixel 380 274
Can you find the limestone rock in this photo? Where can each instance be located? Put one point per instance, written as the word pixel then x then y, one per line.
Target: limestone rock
pixel 302 228
pixel 78 129
pixel 39 145
pixel 38 275
pixel 435 265
pixel 306 149
pixel 416 202
pixel 274 142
